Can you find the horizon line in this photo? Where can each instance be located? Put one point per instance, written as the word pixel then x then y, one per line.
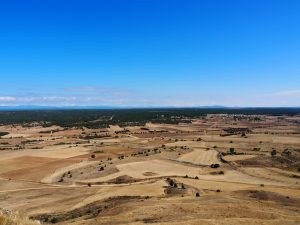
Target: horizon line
pixel 40 107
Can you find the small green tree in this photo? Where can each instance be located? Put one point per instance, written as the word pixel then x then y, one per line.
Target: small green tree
pixel 215 165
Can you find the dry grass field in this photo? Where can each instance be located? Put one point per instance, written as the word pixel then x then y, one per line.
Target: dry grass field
pixel 215 170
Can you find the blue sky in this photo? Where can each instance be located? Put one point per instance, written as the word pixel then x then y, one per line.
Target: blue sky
pixel 150 53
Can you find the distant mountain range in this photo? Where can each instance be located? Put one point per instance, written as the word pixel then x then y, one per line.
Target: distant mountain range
pixel 38 107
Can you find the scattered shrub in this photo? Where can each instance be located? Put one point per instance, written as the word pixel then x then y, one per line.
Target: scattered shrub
pixel 273 152
pixel 215 165
pixel 54 220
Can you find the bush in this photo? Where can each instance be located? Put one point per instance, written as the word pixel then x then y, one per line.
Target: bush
pixel 15 219
pixel 3 133
pixel 54 220
pixel 197 194
pixel 273 152
pixel 196 177
pixel 215 165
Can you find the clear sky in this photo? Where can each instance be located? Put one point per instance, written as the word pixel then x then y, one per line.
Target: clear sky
pixel 150 52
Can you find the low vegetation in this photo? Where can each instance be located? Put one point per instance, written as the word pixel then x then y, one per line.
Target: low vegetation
pixel 10 218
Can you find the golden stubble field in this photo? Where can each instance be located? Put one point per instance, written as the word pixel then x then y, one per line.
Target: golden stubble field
pixel 198 173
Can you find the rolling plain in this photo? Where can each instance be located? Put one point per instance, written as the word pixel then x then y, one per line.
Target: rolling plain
pixel 204 169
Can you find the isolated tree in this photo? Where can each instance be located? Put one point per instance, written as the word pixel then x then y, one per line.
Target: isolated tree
pixel 171 182
pixel 273 152
pixel 215 165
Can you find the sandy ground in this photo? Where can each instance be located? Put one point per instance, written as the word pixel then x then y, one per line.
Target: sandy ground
pixel 233 158
pixel 57 151
pixel 141 189
pixel 200 156
pixel 157 167
pixel 59 172
pixel 270 174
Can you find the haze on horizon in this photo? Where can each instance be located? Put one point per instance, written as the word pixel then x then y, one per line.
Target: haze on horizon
pixel 150 53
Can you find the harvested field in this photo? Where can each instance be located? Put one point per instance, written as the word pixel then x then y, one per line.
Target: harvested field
pixel 232 158
pixel 201 157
